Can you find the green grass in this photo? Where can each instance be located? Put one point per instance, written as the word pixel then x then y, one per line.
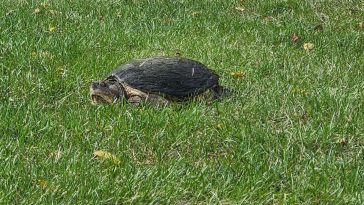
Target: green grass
pixel 292 133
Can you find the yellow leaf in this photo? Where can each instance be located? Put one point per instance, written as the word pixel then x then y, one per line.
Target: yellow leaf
pixel 343 141
pixel 361 25
pixel 308 46
pixel 196 13
pixel 42 183
pixel 36 11
pixel 298 91
pixel 52 29
pixel 219 126
pixel 239 8
pixel 106 155
pixel 41 54
pixel 9 12
pixel 237 74
pixel 268 18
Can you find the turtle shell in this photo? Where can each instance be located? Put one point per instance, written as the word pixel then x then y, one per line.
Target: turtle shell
pixel 173 77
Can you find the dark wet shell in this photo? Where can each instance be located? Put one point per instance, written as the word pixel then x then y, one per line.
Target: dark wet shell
pixel 174 77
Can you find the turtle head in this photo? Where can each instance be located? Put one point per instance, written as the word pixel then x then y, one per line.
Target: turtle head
pixel 106 91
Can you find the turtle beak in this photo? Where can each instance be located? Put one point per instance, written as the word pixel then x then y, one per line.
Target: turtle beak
pixel 97 99
pixel 100 93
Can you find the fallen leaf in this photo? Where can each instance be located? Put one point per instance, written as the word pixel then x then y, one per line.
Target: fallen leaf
pixel 343 141
pixel 36 11
pixel 9 12
pixel 298 91
pixel 361 25
pixel 295 38
pixel 42 183
pixel 237 74
pixel 42 54
pixel 52 29
pixel 106 155
pixel 239 8
pixel 195 13
pixel 219 126
pixel 349 119
pixel 268 18
pixel 308 46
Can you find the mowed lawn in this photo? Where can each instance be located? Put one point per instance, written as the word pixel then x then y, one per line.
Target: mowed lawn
pixel 292 132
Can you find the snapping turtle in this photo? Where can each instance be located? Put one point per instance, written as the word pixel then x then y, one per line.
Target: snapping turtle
pixel 158 81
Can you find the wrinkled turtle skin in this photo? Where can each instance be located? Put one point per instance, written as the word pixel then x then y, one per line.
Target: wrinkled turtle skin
pixel 157 80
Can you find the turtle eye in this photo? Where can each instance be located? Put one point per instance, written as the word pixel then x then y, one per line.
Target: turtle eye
pixel 112 80
pixel 103 84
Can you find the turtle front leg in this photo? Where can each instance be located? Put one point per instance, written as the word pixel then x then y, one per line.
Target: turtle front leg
pixel 135 100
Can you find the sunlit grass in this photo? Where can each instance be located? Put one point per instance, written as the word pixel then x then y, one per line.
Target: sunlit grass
pixel 292 133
